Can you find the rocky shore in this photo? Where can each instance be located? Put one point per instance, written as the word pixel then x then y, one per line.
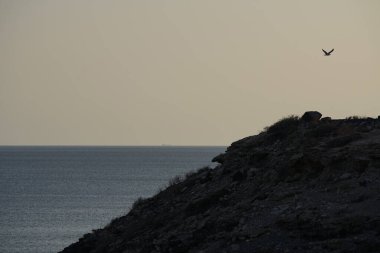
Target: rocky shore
pixel 308 184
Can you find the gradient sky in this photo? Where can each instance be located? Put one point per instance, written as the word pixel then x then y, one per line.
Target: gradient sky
pixel 195 72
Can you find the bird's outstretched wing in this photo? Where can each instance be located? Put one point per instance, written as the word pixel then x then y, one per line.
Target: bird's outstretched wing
pixel 325 51
pixel 331 51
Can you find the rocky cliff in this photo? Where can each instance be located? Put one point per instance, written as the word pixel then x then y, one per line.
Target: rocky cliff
pixel 302 185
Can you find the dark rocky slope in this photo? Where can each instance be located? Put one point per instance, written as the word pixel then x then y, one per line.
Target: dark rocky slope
pixel 302 185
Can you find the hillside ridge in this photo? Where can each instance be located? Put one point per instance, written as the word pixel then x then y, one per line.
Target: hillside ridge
pixel 304 184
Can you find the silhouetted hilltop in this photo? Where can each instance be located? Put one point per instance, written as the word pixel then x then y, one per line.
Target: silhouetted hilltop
pixel 302 185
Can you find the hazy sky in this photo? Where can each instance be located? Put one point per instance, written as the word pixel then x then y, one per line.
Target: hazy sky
pixel 195 72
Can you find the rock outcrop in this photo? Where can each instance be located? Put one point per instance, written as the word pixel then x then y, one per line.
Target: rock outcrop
pixel 295 187
pixel 311 116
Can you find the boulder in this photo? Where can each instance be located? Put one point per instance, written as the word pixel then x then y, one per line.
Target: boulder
pixel 218 159
pixel 326 119
pixel 311 116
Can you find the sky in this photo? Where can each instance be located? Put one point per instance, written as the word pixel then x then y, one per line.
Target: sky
pixel 195 72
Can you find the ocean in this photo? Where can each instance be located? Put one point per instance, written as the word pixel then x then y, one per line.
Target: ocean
pixel 51 196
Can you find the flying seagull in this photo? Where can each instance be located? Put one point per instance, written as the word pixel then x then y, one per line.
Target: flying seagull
pixel 328 53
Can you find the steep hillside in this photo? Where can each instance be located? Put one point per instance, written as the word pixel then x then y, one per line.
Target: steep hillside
pixel 302 185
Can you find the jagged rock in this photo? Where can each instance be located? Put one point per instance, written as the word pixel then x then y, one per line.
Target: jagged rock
pixel 238 176
pixel 326 119
pixel 343 140
pixel 312 188
pixel 346 176
pixel 218 159
pixel 311 116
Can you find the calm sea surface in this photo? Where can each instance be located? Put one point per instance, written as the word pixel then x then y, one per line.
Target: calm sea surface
pixel 50 196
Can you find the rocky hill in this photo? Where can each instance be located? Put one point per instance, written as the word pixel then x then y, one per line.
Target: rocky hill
pixel 302 185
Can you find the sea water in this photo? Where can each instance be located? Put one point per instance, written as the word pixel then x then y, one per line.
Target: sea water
pixel 51 196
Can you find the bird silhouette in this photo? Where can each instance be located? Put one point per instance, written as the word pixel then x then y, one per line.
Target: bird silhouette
pixel 328 53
